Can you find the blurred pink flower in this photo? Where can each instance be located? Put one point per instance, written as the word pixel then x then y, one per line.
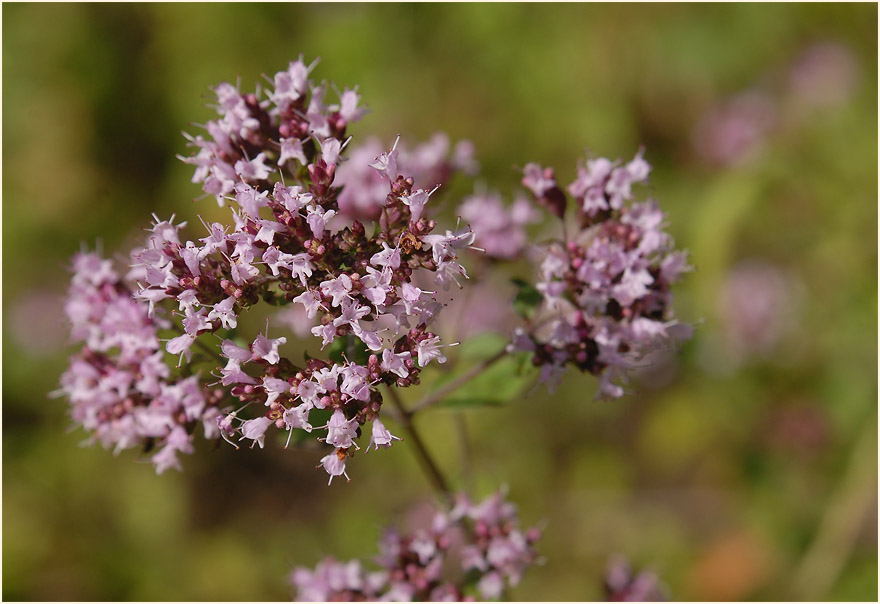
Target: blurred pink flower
pixel 755 306
pixel 37 322
pixel 733 131
pixel 825 74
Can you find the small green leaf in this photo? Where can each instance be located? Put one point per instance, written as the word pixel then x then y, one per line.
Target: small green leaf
pixel 274 298
pixel 501 383
pixel 349 347
pixel 527 298
pixel 481 346
pixel 337 349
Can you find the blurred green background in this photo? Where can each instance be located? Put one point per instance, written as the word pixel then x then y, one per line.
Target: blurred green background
pixel 743 468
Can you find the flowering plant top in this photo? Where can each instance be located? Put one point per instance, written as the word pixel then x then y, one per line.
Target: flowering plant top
pixel 274 158
pixel 344 237
pixel 348 241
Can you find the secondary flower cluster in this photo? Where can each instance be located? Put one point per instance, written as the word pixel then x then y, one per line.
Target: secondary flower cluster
pixel 482 540
pixel 275 159
pixel 605 290
pixel 118 385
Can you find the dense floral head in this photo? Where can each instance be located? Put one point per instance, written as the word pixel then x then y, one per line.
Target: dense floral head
pixel 274 159
pixel 602 298
pixel 474 552
pixel 119 386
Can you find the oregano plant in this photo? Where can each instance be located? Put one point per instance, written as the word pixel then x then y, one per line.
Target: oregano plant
pixel 350 239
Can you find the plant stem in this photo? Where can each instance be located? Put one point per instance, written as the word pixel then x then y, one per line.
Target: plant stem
pixel 464 443
pixel 839 527
pixel 428 465
pixel 444 391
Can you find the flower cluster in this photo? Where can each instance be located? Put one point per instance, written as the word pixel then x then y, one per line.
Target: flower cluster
pixel 340 237
pixel 482 540
pixel 604 292
pixel 275 160
pixel 289 129
pixel 119 387
pixel 758 304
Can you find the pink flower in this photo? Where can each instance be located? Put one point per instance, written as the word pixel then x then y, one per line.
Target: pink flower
pixel 395 363
pixel 274 388
pixel 255 169
pixel 298 417
pixel 338 289
pixel 386 163
pixel 255 429
pixel 311 301
pixel 416 202
pixel 428 350
pixel 318 220
pixel 538 180
pixel 291 148
pixel 334 465
pixel 181 345
pixel 341 431
pixel 327 333
pixel 380 436
pixel 225 312
pixel 388 258
pixel 267 349
pixel 348 106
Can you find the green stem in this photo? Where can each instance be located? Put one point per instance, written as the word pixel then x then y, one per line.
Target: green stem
pixel 464 443
pixel 435 476
pixel 444 391
pixel 839 526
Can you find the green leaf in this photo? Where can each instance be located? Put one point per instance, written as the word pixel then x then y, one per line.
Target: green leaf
pixel 337 349
pixel 500 384
pixel 274 298
pixel 527 298
pixel 481 346
pixel 349 347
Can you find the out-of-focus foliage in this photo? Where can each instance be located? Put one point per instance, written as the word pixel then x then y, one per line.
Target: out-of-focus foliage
pixel 743 469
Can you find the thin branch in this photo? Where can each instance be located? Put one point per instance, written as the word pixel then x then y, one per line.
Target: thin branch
pixel 839 526
pixel 444 391
pixel 428 465
pixel 466 450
